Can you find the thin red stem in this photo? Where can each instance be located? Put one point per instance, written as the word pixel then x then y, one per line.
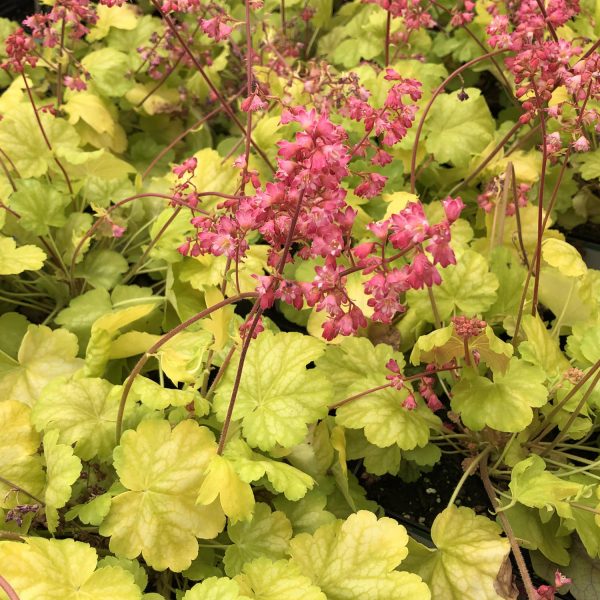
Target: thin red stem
pixel 436 93
pixel 10 592
pixel 160 343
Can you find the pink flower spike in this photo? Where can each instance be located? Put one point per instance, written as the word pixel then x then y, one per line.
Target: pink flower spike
pixel 392 365
pixel 560 579
pixel 216 28
pixel 410 403
pixel 253 103
pixel 581 144
pixel 453 207
pixel 392 75
pixel 187 166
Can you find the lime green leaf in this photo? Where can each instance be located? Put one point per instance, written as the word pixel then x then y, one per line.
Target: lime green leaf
pixel 279 397
pixel 584 521
pixel 133 566
pixel 459 130
pixel 354 360
pixel 157 397
pixel 533 486
pixel 21 139
pixel 213 175
pixel 15 260
pixel 182 357
pixel 468 556
pixel 547 536
pixel 377 461
pixel 108 68
pixel 62 569
pixel 263 579
pixel 442 345
pixel 384 420
pixel 541 348
pixel 13 326
pixel 62 471
pixel 41 206
pixel 222 481
pixel 504 404
pixel 563 257
pixel 158 516
pixel 92 512
pixel 19 461
pixel 82 311
pixel 84 411
pixel 105 329
pixel 251 466
pixel 43 355
pixel 215 588
pixel 505 264
pixel 584 344
pixel 119 17
pixel 357 558
pixel 102 268
pixel 307 514
pixel 267 534
pixel 467 287
pixel 590 165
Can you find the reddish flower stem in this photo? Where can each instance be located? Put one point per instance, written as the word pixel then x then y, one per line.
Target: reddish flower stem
pixel 45 136
pixel 160 343
pixel 10 592
pixel 388 27
pixel 436 93
pixel 207 80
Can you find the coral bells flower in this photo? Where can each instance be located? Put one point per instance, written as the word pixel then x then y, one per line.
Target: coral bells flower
pixel 217 28
pixel 19 48
pixel 187 166
pixel 466 327
pixel 253 103
pixel 180 6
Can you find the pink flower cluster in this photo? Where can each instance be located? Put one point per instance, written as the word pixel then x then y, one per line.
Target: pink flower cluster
pixel 466 327
pixel 426 383
pixel 412 12
pixel 493 192
pixel 303 214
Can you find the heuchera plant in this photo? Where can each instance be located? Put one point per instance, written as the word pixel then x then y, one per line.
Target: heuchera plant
pixel 247 244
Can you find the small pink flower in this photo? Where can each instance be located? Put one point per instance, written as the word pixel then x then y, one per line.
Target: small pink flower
pixel 581 144
pixel 187 166
pixel 253 103
pixel 560 579
pixel 410 403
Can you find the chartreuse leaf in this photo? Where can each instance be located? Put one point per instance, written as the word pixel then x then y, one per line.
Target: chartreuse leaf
pixel 267 534
pixel 62 471
pixel 504 404
pixel 466 560
pixel 541 348
pixel 43 355
pixel 468 287
pixel 263 579
pixel 223 482
pixel 133 566
pixel 157 397
pixel 354 360
pixel 84 411
pixel 564 257
pixel 506 266
pixel 13 326
pixel 15 260
pixel 534 534
pixel 584 344
pixel 21 139
pixel 215 588
pixel 278 397
pixel 119 17
pixel 92 512
pixel 104 331
pixel 182 357
pixel 40 205
pixel 584 521
pixel 157 516
pixel 251 466
pixel 459 129
pixel 64 569
pixel 108 68
pixel 307 514
pixel 442 345
pixel 533 486
pixel 357 558
pixel 19 462
pixel 384 420
pixel 102 268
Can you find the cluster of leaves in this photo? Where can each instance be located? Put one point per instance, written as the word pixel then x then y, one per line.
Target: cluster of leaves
pixel 187 367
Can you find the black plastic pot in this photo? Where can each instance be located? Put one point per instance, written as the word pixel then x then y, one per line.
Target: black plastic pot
pixel 16 10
